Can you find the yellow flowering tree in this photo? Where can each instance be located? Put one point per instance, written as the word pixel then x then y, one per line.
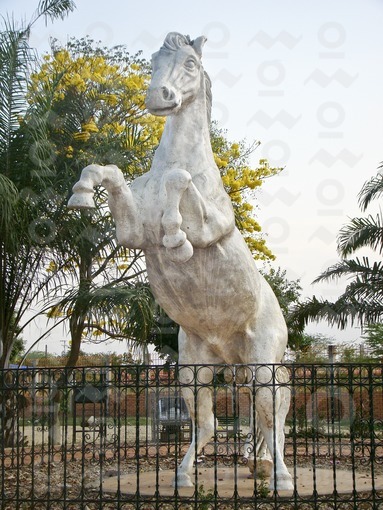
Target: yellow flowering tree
pixel 241 182
pixel 93 104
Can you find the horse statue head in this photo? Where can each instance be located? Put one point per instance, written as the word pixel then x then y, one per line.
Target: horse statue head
pixel 177 75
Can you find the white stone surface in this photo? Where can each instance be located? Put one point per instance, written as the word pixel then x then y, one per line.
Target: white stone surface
pixel 200 268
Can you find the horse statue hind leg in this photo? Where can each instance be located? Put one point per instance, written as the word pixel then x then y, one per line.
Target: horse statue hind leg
pixel 196 387
pixel 272 399
pixel 272 402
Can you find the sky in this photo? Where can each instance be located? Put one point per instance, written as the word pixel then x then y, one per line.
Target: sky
pixel 303 78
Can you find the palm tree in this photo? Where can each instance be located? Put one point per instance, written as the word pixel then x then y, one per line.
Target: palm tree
pixel 362 300
pixel 21 257
pixel 22 278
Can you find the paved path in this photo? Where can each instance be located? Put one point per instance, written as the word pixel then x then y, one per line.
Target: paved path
pixel 225 481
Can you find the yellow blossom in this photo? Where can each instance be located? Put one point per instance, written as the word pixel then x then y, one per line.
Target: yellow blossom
pixel 82 136
pixel 54 313
pixel 52 267
pixel 90 127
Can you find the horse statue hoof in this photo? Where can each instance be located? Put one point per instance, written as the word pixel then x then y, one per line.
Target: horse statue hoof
pixel 81 201
pixel 284 483
pixel 174 240
pixel 182 480
pixel 181 254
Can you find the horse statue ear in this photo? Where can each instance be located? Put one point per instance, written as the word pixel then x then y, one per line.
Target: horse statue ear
pixel 198 44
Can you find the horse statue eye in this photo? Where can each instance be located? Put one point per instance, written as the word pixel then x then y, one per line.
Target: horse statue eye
pixel 190 64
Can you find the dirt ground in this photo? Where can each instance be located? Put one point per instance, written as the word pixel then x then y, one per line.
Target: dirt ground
pixel 90 485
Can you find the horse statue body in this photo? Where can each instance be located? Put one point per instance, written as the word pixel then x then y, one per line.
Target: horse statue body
pixel 200 269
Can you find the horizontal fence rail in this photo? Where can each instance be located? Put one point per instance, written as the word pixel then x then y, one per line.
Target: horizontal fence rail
pixel 112 437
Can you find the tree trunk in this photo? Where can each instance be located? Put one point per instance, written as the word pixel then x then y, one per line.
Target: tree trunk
pixel 76 327
pixel 12 402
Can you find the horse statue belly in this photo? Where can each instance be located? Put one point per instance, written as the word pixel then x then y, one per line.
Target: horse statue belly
pixel 199 294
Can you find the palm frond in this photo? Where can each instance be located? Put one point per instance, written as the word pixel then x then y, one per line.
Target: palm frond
pixel 132 307
pixel 361 301
pixel 122 311
pixel 360 233
pixel 15 59
pixel 338 313
pixel 53 9
pixel 350 267
pixel 367 286
pixel 345 311
pixel 15 219
pixel 8 199
pixel 371 189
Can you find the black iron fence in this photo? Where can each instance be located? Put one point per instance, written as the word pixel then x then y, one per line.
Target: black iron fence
pixel 113 438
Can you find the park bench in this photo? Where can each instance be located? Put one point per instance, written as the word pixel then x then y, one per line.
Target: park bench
pixel 172 418
pixel 229 425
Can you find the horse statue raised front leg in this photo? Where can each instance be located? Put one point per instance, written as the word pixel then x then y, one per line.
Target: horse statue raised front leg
pixel 199 266
pixel 129 227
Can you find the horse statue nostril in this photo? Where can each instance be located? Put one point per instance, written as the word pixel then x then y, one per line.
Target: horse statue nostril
pixel 167 94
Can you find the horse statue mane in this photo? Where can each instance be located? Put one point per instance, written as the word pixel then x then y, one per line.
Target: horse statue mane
pixel 174 41
pixel 199 267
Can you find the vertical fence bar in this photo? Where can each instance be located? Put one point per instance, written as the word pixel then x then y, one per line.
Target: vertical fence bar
pixel 352 430
pixel 253 433
pixel 331 431
pixel 273 393
pixel 371 433
pixel 137 441
pixel 196 390
pixel 294 389
pixel 2 435
pixel 234 391
pixel 216 375
pixel 314 434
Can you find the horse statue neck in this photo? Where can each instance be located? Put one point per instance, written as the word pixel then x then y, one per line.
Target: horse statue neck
pixel 185 142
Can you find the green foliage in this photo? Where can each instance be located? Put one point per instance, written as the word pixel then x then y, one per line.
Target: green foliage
pixel 262 488
pixel 352 353
pixel 372 189
pixel 288 293
pixel 8 208
pixel 37 355
pixel 18 348
pixel 314 349
pixel 54 9
pixel 164 335
pixel 205 498
pixel 373 337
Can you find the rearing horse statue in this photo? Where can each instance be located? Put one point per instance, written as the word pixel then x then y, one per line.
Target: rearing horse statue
pixel 199 266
